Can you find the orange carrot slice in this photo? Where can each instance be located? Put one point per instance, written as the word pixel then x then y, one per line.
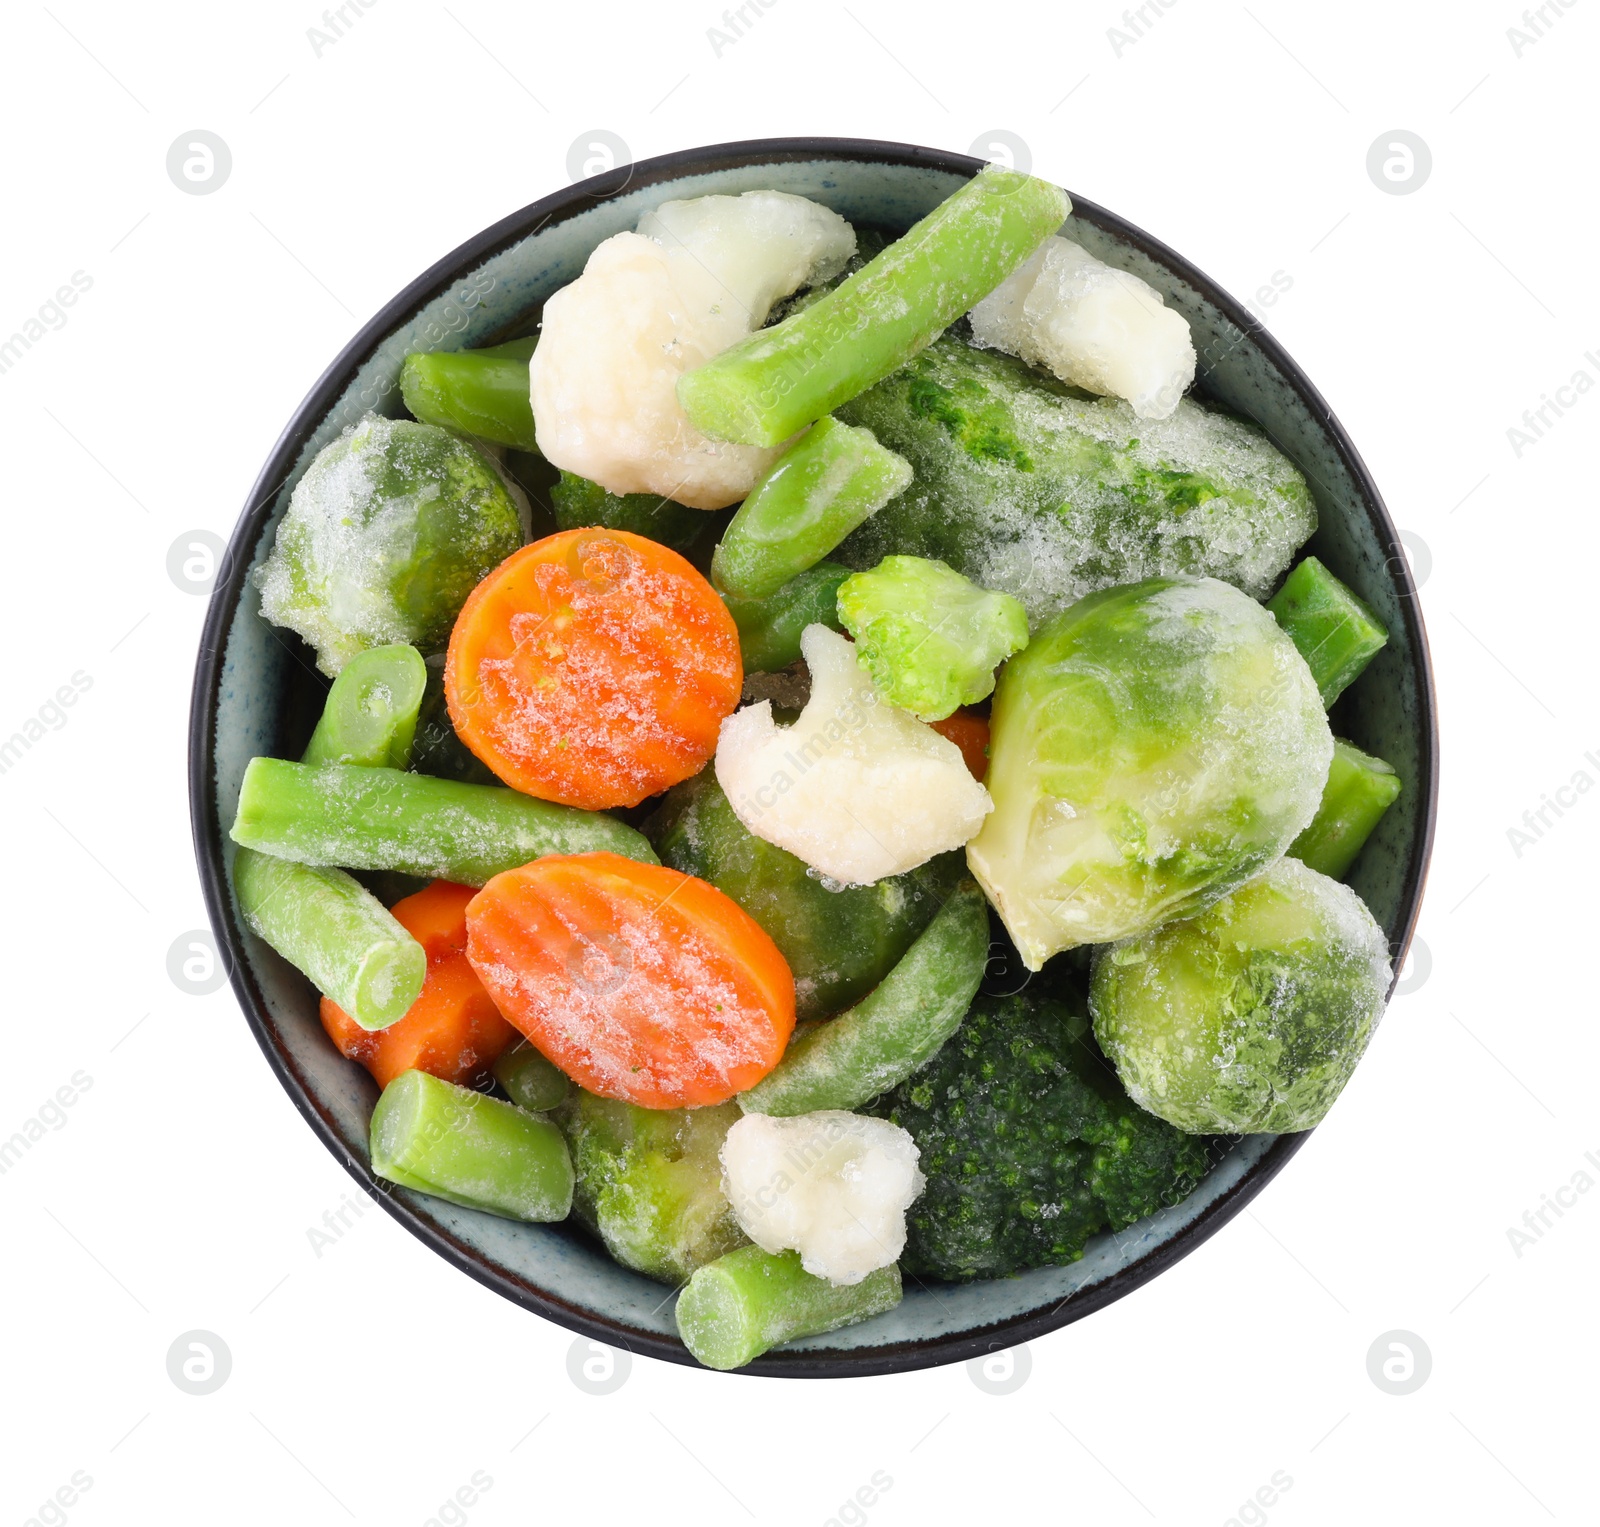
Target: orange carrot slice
pixel 453 1030
pixel 970 732
pixel 637 981
pixel 593 668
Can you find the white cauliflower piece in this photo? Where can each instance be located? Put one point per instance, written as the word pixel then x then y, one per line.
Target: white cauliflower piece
pixel 1092 325
pixel 857 788
pixel 697 276
pixel 834 1186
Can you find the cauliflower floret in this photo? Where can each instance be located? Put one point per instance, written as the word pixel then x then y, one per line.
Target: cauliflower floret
pixel 856 788
pixel 834 1186
pixel 698 276
pixel 1092 325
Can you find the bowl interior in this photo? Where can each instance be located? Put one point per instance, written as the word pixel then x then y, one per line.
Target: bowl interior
pixel 257 692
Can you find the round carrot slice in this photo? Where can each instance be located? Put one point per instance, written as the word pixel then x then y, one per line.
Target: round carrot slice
pixel 453 1030
pixel 593 668
pixel 637 981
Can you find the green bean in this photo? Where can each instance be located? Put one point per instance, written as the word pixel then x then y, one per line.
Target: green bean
pixel 763 389
pixel 383 819
pixel 896 1028
pixel 806 503
pixel 531 1081
pixel 455 1144
pixel 370 715
pixel 330 928
pixel 334 931
pixel 770 628
pixel 479 392
pixel 1359 790
pixel 1336 633
pixel 750 1300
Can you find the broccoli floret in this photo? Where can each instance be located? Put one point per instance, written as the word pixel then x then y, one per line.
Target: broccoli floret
pixel 930 638
pixel 1029 1144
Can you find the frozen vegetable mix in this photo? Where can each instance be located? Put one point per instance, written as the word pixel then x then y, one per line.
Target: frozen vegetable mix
pixel 903 601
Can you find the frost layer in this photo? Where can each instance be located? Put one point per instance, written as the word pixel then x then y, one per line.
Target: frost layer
pixel 696 277
pixel 855 788
pixel 388 531
pixel 1027 487
pixel 1151 749
pixel 834 1186
pixel 1251 1017
pixel 1092 325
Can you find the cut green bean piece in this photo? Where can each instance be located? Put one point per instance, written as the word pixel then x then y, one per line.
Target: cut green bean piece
pixel 896 1028
pixel 478 392
pixel 336 932
pixel 370 715
pixel 530 1080
pixel 579 503
pixel 750 1300
pixel 383 819
pixel 810 499
pixel 456 1144
pixel 770 628
pixel 1336 633
pixel 761 390
pixel 1360 789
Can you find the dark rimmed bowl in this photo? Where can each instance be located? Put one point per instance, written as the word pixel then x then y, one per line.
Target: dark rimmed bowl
pixel 256 692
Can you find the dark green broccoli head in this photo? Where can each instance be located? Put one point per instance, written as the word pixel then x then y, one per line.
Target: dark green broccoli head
pixel 1029 1144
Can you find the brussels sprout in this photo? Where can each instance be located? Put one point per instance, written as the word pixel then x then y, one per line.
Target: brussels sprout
pixel 1154 747
pixel 930 638
pixel 649 1183
pixel 1249 1018
pixel 388 531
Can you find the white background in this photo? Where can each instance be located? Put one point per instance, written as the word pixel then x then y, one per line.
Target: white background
pixel 371 1382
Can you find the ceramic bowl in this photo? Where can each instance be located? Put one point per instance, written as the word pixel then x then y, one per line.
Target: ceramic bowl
pixel 256 691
